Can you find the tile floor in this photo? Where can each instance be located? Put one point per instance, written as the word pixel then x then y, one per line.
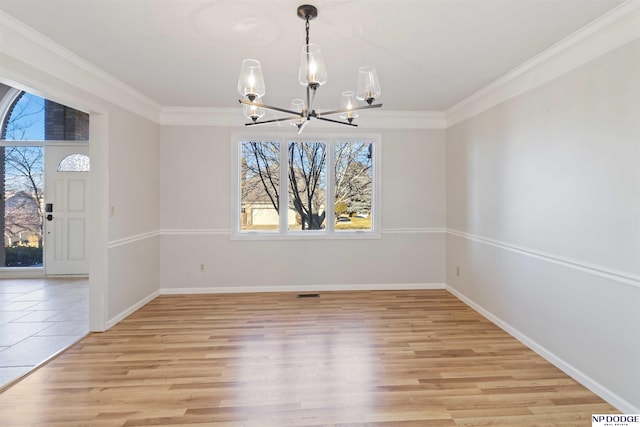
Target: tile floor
pixel 38 319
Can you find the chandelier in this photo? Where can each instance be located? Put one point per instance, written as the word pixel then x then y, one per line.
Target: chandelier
pixel 312 74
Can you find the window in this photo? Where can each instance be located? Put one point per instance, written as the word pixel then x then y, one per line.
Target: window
pixel 32 118
pixel 75 163
pixel 327 186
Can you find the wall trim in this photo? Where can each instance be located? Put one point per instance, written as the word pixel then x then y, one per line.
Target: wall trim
pixel 21 272
pixel 31 47
pixel 426 230
pixel 221 231
pixel 132 309
pixel 232 117
pixel 613 29
pixel 194 231
pixel 567 368
pixel 302 288
pixel 132 239
pixel 629 279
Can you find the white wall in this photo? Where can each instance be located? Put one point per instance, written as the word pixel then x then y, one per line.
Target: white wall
pixel 134 202
pixel 543 212
pixel 196 222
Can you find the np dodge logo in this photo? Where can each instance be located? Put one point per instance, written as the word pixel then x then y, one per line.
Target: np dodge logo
pixel 615 420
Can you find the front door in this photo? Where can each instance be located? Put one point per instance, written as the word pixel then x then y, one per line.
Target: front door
pixel 66 238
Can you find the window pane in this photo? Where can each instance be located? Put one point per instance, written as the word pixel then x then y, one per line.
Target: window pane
pixel 259 186
pixel 307 185
pixel 21 217
pixel 32 118
pixel 353 186
pixel 25 121
pixel 75 163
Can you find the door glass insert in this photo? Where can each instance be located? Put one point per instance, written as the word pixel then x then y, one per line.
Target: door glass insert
pixel 75 163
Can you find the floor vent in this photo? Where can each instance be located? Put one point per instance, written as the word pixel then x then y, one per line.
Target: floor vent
pixel 308 295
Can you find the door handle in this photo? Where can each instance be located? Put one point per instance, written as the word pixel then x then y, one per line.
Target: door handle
pixel 49 217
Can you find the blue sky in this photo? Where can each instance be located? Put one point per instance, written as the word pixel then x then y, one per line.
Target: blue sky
pixel 27 119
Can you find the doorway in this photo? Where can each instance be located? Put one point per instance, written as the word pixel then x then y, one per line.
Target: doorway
pixel 44 166
pixel 45 176
pixel 23 121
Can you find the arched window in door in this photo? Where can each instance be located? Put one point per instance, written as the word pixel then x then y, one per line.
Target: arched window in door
pixel 75 163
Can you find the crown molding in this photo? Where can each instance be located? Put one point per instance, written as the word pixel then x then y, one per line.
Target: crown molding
pixel 30 47
pixel 613 29
pixel 201 116
pixel 232 117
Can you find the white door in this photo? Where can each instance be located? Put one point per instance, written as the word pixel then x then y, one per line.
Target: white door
pixel 66 238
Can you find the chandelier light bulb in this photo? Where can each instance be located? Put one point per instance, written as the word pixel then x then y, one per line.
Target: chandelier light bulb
pixel 253 112
pixel 348 102
pixel 251 81
pixel 312 71
pixel 297 105
pixel 367 86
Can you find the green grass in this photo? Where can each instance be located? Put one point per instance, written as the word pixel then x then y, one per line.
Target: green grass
pixel 355 224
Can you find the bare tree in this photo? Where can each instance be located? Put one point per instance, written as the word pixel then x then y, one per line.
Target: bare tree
pixel 353 174
pixel 307 182
pixel 306 169
pixel 261 171
pixel 24 182
pixel 21 172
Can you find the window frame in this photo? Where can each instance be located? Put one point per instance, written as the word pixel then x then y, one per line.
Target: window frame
pixel 329 232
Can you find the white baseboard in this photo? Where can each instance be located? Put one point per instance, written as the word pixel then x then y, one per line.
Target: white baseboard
pixel 135 307
pixel 21 273
pixel 567 368
pixel 304 288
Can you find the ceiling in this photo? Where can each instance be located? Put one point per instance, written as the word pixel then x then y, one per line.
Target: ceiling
pixel 429 54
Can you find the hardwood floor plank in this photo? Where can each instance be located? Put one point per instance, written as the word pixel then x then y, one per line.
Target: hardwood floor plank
pixel 379 358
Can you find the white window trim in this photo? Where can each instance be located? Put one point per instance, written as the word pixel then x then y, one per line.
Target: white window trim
pixel 329 233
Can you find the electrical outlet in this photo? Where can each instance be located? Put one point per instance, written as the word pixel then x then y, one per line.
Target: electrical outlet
pixel 457 271
pixel 112 211
pixel 201 267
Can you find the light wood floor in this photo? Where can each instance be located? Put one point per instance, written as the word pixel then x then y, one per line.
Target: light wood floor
pixel 409 358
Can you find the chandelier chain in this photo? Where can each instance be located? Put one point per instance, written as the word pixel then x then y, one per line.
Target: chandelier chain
pixel 307 28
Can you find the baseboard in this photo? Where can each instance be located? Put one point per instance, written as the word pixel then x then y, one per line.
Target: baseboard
pixel 303 288
pixel 567 368
pixel 129 311
pixel 21 272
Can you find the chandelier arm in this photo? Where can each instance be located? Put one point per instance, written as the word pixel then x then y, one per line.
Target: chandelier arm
pixel 346 110
pixel 302 126
pixel 336 121
pixel 269 107
pixel 284 119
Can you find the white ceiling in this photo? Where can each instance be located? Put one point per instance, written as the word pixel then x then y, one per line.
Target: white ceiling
pixel 430 54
